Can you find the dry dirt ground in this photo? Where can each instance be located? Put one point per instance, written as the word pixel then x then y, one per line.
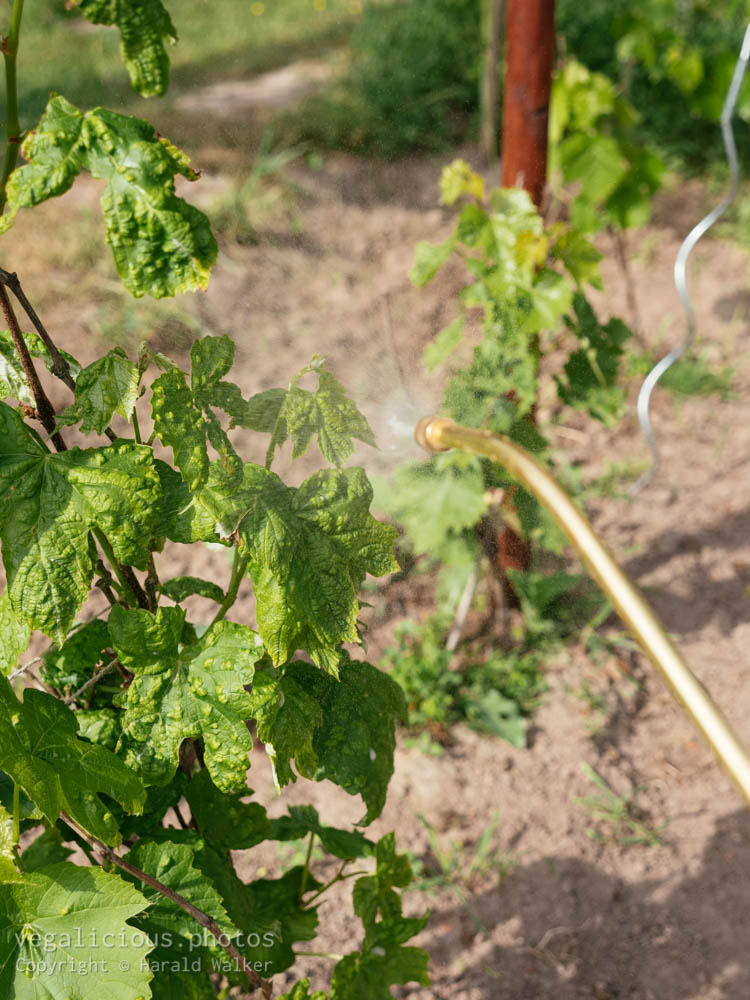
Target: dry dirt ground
pixel 553 914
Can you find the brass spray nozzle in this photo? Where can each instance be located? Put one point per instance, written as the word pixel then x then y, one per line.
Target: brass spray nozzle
pixel 438 434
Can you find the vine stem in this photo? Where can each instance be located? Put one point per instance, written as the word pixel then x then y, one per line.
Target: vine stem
pixel 208 923
pixel 239 565
pixel 44 408
pixel 306 869
pixel 12 124
pixel 131 588
pixel 338 877
pixel 90 682
pixel 16 813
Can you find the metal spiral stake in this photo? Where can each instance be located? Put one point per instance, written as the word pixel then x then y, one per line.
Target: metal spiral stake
pixel 680 264
pixel 437 434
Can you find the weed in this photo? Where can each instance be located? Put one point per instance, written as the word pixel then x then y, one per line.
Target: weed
pixel 460 867
pixel 694 375
pixel 621 822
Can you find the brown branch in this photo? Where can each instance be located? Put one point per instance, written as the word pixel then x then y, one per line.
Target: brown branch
pixel 44 408
pixel 208 923
pixel 90 682
pixel 60 366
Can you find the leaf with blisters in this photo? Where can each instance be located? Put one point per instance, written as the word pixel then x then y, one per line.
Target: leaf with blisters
pixel 41 751
pixel 309 549
pixel 144 27
pixel 161 244
pixel 181 693
pixel 179 517
pixel 286 718
pixel 48 505
pixel 14 636
pixel 356 741
pixel 106 387
pixel 66 918
pixel 183 415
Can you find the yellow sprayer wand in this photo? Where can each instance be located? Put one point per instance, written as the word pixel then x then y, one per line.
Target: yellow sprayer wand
pixel 439 434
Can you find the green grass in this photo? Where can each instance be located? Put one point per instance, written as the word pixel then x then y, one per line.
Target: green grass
pixel 218 40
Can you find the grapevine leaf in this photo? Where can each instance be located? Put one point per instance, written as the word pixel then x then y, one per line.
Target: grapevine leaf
pixel 12 376
pixel 100 726
pixel 14 636
pixel 66 917
pixel 595 161
pixel 288 734
pixel 184 418
pixel 327 413
pixel 453 492
pixel 443 344
pixel 161 244
pixel 590 374
pixel 47 849
pixel 458 180
pixel 41 751
pixel 8 869
pixel 70 666
pixel 382 961
pixel 144 26
pixel 225 821
pixel 428 259
pixel 301 991
pixel 178 693
pixel 48 505
pixel 301 821
pixel 268 912
pixel 261 411
pixel 180 587
pixel 180 518
pixel 356 741
pixel 173 865
pixel 106 387
pixel 309 550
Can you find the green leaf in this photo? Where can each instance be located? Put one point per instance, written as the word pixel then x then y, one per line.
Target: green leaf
pixel 8 868
pixel 595 161
pixel 357 738
pixel 309 549
pixel 161 244
pixel 328 413
pixel 106 387
pixel 382 961
pixel 301 821
pixel 443 344
pixel 180 518
pixel 428 259
pixel 173 866
pixel 46 849
pixel 14 636
pixel 224 820
pixel 144 26
pixel 100 726
pixel 183 416
pixel 70 666
pixel 41 751
pixel 49 504
pixel 66 918
pixel 12 376
pixel 288 734
pixel 493 713
pixel 590 373
pixel 180 587
pixel 261 411
pixel 453 493
pixel 301 991
pixel 178 693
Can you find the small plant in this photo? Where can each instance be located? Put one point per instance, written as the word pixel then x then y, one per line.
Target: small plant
pixel 621 822
pixel 460 867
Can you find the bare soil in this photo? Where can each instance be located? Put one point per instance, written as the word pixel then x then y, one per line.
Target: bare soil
pixel 555 914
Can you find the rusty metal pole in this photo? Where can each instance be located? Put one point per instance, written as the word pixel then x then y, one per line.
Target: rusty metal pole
pixel 529 57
